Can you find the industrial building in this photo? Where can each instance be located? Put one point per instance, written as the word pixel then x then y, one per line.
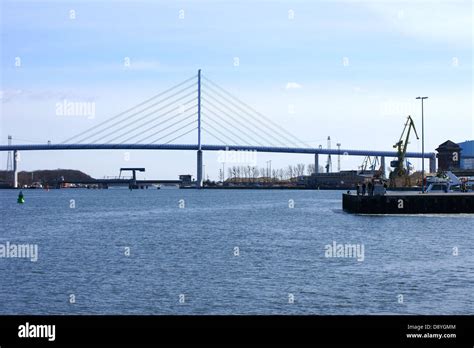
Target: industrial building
pixel 456 156
pixel 449 156
pixel 345 179
pixel 467 154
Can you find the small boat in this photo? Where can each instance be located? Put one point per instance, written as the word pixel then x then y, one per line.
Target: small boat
pixel 448 182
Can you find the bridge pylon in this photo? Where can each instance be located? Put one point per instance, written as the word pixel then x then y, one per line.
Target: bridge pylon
pixel 199 152
pixel 199 169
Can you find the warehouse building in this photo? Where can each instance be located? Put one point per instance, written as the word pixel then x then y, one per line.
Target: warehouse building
pixel 467 154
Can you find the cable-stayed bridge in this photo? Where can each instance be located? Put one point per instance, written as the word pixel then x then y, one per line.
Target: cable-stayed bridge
pixel 195 107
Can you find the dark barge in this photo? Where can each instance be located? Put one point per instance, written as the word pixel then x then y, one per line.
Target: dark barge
pixel 410 203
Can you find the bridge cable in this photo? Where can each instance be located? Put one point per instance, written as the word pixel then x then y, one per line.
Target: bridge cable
pixel 232 142
pixel 236 120
pixel 137 113
pixel 131 109
pixel 222 141
pixel 182 135
pixel 166 135
pixel 275 125
pixel 228 130
pixel 168 127
pixel 241 122
pixel 145 124
pixel 236 135
pixel 279 128
pixel 157 125
pixel 251 118
pixel 148 124
pixel 208 114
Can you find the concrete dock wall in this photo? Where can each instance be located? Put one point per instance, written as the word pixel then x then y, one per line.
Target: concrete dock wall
pixel 450 203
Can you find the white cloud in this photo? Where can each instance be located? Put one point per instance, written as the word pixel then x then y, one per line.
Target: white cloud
pixel 145 65
pixel 293 85
pixel 28 95
pixel 9 94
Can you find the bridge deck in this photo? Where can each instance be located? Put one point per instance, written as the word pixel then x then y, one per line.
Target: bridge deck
pixel 302 150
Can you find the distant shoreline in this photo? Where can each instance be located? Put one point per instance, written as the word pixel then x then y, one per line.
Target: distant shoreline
pixel 218 188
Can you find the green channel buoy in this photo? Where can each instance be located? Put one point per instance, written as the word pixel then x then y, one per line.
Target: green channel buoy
pixel 20 199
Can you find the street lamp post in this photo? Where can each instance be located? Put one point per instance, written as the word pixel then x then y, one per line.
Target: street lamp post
pixel 422 146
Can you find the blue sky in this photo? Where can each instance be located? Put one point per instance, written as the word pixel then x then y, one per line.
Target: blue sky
pixel 395 50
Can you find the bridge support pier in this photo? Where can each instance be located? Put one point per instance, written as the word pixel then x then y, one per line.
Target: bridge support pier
pixel 15 169
pixel 199 169
pixel 432 164
pixel 382 165
pixel 316 163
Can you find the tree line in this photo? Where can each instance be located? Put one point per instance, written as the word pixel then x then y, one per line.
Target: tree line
pixel 256 174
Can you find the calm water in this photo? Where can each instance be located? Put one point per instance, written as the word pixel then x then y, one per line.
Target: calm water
pixel 191 251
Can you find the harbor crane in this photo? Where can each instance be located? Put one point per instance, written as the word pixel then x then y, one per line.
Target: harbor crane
pixel 401 146
pixel 369 166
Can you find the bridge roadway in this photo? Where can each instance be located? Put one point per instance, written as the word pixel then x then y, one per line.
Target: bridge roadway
pixel 200 148
pixel 301 150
